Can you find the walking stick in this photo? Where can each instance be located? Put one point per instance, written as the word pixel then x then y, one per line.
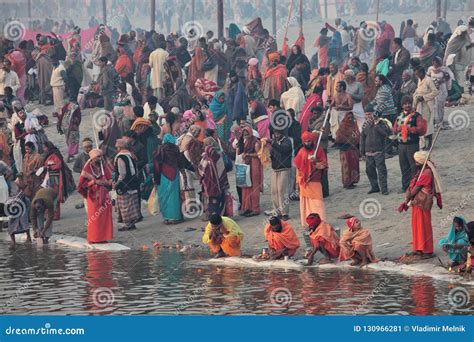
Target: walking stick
pixel 96 138
pixel 428 158
pixel 326 115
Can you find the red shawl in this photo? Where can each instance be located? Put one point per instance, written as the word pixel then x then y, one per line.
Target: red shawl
pixel 302 161
pixel 86 186
pixel 279 74
pixel 313 101
pixel 165 160
pixel 348 132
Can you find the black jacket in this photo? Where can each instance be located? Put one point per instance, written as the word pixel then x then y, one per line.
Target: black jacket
pixel 373 137
pixel 281 154
pixel 294 132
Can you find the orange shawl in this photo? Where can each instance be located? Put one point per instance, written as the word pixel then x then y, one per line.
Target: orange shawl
pixel 279 73
pixel 285 239
pixel 351 240
pixel 326 233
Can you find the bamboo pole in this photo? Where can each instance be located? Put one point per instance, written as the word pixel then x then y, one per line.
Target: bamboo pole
pixel 220 19
pixel 104 12
pixel 152 14
pixel 274 27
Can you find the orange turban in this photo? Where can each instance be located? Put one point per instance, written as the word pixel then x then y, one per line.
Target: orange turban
pixel 274 57
pixel 140 121
pixel 313 220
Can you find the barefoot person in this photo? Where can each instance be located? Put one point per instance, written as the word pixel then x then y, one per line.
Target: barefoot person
pixel 126 184
pixel 420 194
pixel 281 237
pixel 456 242
pixel 308 177
pixel 94 185
pixel 356 244
pixel 42 213
pixel 323 238
pixel 19 224
pixel 223 236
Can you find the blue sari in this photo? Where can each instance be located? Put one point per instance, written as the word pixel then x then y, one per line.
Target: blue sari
pixel 168 191
pixel 456 238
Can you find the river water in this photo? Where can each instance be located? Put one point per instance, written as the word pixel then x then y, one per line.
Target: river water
pixel 42 280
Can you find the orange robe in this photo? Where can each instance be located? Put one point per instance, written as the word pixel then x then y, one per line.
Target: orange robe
pixel 352 242
pixel 230 245
pixel 325 236
pixel 421 226
pixel 99 205
pixel 123 65
pixel 311 191
pixel 285 239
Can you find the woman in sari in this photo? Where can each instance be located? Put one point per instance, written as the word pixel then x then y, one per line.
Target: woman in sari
pixel 94 185
pixel 68 124
pixel 429 51
pixel 313 101
pixel 57 176
pixel 213 179
pixel 166 177
pixel 31 163
pixel 318 78
pixel 248 146
pixel 348 137
pixel 219 111
pixel 19 224
pixel 456 242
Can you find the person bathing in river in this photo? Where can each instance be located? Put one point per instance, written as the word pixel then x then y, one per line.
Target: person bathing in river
pixel 42 213
pixel 356 244
pixel 323 239
pixel 456 242
pixel 281 237
pixel 223 236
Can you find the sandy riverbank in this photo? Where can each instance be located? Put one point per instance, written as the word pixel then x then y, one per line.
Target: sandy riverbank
pixel 391 231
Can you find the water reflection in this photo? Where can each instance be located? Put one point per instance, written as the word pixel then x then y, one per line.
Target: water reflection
pixel 423 294
pixel 101 287
pixel 52 280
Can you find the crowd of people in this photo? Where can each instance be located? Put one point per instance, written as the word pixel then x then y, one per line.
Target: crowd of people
pixel 181 112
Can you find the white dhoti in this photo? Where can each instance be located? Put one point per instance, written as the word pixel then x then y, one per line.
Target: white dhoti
pixel 3 190
pixel 334 120
pixel 409 44
pixel 18 156
pixel 359 115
